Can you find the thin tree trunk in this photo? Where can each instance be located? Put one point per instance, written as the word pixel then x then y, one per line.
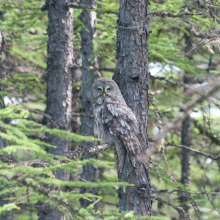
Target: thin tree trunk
pixel 76 75
pixel 3 142
pixel 59 85
pixel 186 132
pixel 132 77
pixel 90 173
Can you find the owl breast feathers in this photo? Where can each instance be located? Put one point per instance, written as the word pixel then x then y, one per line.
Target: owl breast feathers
pixel 121 122
pixel 116 122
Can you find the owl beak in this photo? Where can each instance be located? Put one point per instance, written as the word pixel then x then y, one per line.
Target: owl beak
pixel 103 94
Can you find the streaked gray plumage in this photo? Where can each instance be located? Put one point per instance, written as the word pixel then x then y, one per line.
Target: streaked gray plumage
pixel 116 122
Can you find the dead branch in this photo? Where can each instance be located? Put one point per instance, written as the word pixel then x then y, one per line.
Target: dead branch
pixel 168 14
pixel 82 115
pixel 209 197
pixel 155 13
pixel 210 136
pixel 177 190
pixel 93 68
pixel 195 151
pixel 180 210
pixel 85 150
pixel 42 113
pixel 201 98
pixel 208 9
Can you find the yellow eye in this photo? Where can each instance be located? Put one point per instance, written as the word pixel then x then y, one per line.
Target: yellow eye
pixel 99 90
pixel 108 90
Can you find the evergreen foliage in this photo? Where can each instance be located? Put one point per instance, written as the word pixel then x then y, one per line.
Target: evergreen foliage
pixel 23 187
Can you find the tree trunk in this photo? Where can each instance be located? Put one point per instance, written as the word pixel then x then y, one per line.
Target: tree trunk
pixel 90 173
pixel 3 142
pixel 132 77
pixel 59 85
pixel 76 75
pixel 186 132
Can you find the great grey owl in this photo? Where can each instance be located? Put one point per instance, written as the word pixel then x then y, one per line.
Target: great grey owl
pixel 116 122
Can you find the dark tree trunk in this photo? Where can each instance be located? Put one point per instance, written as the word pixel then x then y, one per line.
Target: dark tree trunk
pixel 76 74
pixel 59 85
pixel 186 132
pixel 3 142
pixel 132 77
pixel 90 173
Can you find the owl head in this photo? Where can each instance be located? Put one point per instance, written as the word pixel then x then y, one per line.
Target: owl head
pixel 105 90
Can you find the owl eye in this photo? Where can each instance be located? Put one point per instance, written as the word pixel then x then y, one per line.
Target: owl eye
pixel 99 90
pixel 108 90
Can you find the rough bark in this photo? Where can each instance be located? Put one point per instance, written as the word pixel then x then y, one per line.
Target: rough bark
pixel 76 75
pixel 90 173
pixel 132 77
pixel 186 132
pixel 59 85
pixel 3 142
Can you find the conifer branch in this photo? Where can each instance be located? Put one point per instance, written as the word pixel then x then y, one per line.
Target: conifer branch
pixel 72 156
pixel 25 180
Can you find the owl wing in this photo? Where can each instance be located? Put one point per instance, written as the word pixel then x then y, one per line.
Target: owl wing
pixel 121 122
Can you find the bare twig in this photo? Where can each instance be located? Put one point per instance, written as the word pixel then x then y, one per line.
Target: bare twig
pixel 177 190
pixel 210 136
pixel 82 115
pixel 42 113
pixel 93 68
pixel 208 197
pixel 194 150
pixel 180 210
pixel 168 14
pixel 84 150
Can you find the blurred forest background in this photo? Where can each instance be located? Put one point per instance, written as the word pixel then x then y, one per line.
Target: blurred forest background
pixel 183 117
